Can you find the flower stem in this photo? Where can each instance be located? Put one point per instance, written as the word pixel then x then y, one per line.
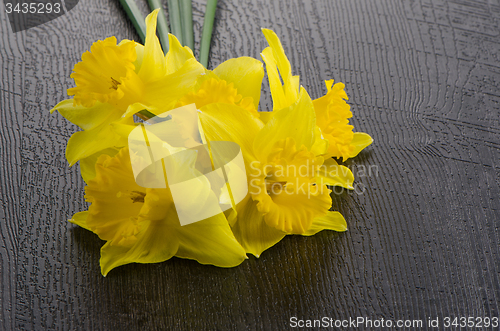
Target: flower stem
pixel 174 14
pixel 206 37
pixel 187 23
pixel 162 23
pixel 134 14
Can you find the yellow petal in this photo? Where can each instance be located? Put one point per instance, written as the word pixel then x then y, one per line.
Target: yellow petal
pixel 293 209
pixel 274 56
pixel 164 93
pixel 251 230
pixel 333 174
pixel 139 50
pixel 331 221
pixel 297 121
pixel 177 55
pixel 85 143
pixel 360 141
pixel 210 242
pixel 87 165
pixel 153 61
pixel 223 122
pixel 320 145
pixel 245 73
pixel 80 219
pixel 265 116
pixel 332 117
pixel 86 118
pixel 151 246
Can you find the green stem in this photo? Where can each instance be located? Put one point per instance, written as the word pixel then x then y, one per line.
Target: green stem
pixel 187 23
pixel 174 14
pixel 162 24
pixel 206 37
pixel 134 14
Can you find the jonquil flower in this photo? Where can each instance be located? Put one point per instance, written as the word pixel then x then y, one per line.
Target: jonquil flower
pixel 114 82
pixel 141 225
pixel 286 172
pixel 332 112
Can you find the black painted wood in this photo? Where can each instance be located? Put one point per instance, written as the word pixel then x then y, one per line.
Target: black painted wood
pixel 423 77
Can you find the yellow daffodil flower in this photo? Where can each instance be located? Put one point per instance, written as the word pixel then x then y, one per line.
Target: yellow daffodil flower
pixel 286 172
pixel 114 82
pixel 141 225
pixel 332 112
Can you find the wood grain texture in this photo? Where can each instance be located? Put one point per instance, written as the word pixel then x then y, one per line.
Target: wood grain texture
pixel 11 73
pixel 423 77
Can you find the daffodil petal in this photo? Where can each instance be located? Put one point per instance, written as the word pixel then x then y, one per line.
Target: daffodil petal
pixel 251 230
pixel 360 141
pixel 297 121
pixel 333 174
pixel 223 122
pixel 278 94
pixel 265 116
pixel 80 219
pixel 152 246
pixel 139 51
pixel 87 165
pixel 85 143
pixel 210 242
pixel 320 145
pixel 331 221
pixel 164 93
pixel 177 55
pixel 153 61
pixel 287 93
pixel 293 210
pixel 86 118
pixel 245 73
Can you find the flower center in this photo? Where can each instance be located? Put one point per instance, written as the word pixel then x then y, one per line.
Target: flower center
pixel 288 197
pixel 137 196
pixel 114 84
pixel 102 71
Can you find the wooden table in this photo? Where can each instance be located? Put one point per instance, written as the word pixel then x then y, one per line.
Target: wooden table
pixel 423 77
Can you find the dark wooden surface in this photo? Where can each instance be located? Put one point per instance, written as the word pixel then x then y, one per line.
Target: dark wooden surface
pixel 423 77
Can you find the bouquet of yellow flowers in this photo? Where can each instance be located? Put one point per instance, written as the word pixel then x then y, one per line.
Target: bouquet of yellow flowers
pixel 178 160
